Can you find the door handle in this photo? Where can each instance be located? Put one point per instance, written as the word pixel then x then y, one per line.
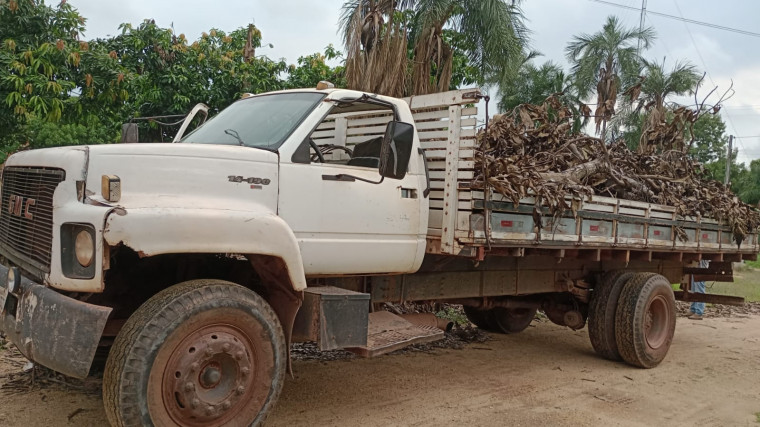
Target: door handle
pixel 339 177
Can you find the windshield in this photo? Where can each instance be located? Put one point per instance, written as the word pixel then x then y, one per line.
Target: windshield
pixel 259 122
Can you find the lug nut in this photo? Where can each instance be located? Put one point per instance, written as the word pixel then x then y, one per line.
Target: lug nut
pixel 226 405
pixel 189 386
pixel 195 403
pixel 239 355
pixel 209 410
pixel 194 367
pixel 245 371
pixel 240 390
pixel 226 347
pixel 209 351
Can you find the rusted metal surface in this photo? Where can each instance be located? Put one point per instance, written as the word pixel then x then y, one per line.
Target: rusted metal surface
pixel 285 301
pixel 53 330
pixel 716 271
pixel 208 376
pixel 389 332
pixel 428 320
pixel 333 317
pixel 711 298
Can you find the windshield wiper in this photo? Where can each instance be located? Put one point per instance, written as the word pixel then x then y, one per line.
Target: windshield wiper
pixel 233 133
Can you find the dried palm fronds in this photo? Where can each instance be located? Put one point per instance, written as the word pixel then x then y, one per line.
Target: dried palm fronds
pixel 533 152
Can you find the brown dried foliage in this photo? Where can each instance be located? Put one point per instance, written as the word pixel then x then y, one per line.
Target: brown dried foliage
pixel 533 152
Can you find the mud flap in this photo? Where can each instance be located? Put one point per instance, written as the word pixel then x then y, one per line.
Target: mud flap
pixel 51 329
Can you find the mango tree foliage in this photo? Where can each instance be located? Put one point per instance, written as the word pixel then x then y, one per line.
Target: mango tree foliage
pixel 47 73
pixel 312 69
pixel 169 74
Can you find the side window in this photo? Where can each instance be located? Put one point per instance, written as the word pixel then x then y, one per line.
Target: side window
pixel 351 135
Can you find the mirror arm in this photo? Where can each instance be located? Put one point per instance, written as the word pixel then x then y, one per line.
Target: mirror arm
pixel 425 193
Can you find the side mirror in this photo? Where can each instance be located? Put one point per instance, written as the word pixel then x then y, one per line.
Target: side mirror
pixel 396 150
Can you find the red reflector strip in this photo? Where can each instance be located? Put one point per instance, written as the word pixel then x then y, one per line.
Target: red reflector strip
pixel 506 223
pixel 594 227
pixel 704 236
pixel 657 232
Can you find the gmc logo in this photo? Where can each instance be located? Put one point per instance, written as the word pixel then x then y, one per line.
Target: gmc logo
pixel 17 206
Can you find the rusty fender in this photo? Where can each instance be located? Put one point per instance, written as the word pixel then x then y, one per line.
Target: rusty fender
pixel 51 329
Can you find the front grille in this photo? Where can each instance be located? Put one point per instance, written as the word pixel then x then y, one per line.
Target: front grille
pixel 26 217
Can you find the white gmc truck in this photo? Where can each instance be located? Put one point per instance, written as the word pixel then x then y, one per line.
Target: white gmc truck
pixel 290 216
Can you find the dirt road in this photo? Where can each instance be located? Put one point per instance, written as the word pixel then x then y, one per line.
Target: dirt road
pixel 547 375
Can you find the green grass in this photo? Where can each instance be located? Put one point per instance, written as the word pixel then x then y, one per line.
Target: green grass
pixel 746 284
pixel 757 417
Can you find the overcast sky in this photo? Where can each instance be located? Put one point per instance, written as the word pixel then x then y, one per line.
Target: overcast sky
pixel 301 27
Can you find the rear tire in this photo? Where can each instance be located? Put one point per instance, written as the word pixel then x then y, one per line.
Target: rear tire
pixel 479 318
pixel 512 320
pixel 645 320
pixel 203 352
pixel 601 313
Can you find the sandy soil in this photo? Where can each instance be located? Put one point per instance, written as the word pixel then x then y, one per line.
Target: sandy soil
pixel 547 375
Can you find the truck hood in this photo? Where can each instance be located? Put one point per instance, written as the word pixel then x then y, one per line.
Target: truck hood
pixel 179 175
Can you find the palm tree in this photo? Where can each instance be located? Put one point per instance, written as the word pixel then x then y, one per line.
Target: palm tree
pixel 605 62
pixel 377 40
pixel 648 99
pixel 532 85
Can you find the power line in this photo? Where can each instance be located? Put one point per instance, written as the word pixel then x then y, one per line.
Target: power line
pixel 704 64
pixel 681 18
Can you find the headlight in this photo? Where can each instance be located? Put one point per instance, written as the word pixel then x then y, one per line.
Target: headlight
pixel 84 248
pixel 78 250
pixel 13 282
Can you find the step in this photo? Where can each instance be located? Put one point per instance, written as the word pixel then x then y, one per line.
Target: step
pixel 388 332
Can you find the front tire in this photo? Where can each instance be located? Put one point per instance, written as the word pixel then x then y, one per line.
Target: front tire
pixel 645 320
pixel 203 352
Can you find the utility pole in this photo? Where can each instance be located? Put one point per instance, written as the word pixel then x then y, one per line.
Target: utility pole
pixel 641 23
pixel 728 159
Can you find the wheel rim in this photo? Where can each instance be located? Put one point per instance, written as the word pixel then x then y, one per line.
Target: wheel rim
pixel 656 322
pixel 207 380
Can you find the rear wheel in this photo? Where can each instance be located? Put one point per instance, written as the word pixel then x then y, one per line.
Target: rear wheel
pixel 478 317
pixel 512 320
pixel 201 353
pixel 645 320
pixel 601 313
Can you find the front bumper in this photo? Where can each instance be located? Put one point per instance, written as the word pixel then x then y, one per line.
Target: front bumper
pixel 49 328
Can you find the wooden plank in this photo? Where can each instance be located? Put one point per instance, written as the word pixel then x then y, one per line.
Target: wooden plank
pixel 442 113
pixel 444 134
pixel 463 164
pixel 341 124
pixel 451 176
pixel 711 298
pixel 464 143
pixel 463 195
pixel 369 121
pixel 366 130
pixel 463 175
pixel 441 154
pixel 450 98
pixel 329 133
pixel 439 204
pixel 435 218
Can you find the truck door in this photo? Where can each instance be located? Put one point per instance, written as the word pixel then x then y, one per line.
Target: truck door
pixel 345 225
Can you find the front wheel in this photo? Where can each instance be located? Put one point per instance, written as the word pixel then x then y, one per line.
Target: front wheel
pixel 201 353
